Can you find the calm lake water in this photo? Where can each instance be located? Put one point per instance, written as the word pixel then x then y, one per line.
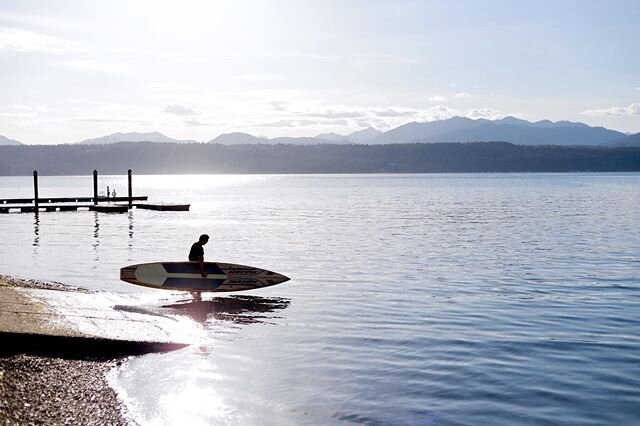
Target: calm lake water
pixel 488 299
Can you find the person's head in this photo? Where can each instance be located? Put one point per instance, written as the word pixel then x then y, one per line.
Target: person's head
pixel 203 239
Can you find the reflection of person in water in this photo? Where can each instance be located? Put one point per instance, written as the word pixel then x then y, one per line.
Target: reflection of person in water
pixel 196 254
pixel 237 309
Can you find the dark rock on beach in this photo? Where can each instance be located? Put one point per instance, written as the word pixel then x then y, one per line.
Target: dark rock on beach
pixel 45 285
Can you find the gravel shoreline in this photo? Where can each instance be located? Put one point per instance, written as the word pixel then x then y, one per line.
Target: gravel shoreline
pixel 53 388
pixel 53 391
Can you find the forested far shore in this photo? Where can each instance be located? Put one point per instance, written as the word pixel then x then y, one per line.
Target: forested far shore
pixel 172 158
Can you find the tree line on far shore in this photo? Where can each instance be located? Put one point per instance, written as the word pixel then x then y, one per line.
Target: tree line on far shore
pixel 171 158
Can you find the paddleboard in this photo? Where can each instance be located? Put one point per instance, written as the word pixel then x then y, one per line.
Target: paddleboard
pixel 186 276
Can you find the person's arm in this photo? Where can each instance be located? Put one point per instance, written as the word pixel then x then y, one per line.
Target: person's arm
pixel 201 262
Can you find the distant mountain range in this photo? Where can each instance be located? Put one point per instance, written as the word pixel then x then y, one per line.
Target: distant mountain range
pixel 361 136
pixel 456 129
pixel 129 137
pixel 238 138
pixel 6 141
pixel 460 129
pixel 631 140
pixel 509 129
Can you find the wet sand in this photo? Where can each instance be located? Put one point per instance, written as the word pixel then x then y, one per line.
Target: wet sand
pixel 56 382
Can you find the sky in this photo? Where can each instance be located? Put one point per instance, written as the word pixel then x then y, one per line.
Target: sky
pixel 193 69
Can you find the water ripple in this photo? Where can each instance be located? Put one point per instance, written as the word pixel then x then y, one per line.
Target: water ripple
pixel 416 299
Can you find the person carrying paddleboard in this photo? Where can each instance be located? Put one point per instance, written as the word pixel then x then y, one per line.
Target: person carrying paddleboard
pixel 196 254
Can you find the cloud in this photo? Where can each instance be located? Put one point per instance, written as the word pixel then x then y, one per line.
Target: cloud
pixel 24 111
pixel 31 108
pixel 395 112
pixel 29 41
pixel 90 65
pixel 487 113
pixel 194 122
pixel 364 122
pixel 442 112
pixel 126 51
pixel 356 113
pixel 300 55
pixel 32 20
pixel 109 120
pixel 288 123
pixel 380 117
pixel 385 59
pixel 437 99
pixel 330 113
pixel 279 106
pixel 462 95
pixel 180 110
pixel 259 77
pixel 631 110
pixel 335 122
pixel 437 112
pixel 169 86
pixel 18 114
pixel 300 117
pixel 301 123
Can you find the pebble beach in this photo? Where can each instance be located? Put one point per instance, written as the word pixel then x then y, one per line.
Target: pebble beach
pixel 55 384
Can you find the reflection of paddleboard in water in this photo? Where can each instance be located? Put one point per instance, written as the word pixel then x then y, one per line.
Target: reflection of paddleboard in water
pixel 186 276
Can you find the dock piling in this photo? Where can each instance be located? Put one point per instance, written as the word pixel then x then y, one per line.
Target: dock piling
pixel 130 188
pixel 35 189
pixel 95 187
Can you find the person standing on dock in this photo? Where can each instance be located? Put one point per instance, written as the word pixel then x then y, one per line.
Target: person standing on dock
pixel 196 254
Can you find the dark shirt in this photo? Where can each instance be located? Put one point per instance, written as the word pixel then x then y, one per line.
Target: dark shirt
pixel 196 252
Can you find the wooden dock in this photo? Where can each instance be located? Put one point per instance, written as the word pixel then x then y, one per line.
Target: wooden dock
pixel 60 204
pixel 112 208
pixel 164 207
pixel 96 203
